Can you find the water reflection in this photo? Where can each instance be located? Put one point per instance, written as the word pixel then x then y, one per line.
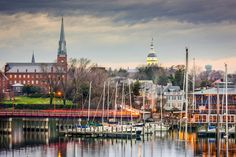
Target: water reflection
pixel 47 144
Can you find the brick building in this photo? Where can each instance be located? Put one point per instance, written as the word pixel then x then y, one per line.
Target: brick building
pixel 3 83
pixel 37 74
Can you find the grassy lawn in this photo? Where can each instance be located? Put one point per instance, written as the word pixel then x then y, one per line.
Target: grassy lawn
pixel 28 100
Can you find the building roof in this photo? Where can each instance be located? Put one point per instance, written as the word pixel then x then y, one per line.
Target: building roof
pixel 27 67
pixel 151 55
pixel 168 88
pixel 214 91
pixel 17 85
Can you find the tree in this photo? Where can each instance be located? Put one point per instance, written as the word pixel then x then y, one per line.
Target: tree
pixel 51 79
pixel 29 89
pixel 153 73
pixel 177 78
pixel 136 88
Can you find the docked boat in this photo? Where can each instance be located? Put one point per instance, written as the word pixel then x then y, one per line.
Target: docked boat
pixel 209 131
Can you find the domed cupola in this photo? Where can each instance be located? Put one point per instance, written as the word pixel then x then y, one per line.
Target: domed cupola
pixel 152 57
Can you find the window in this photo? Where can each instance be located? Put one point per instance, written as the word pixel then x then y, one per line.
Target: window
pixel 37 82
pixel 28 76
pixel 37 76
pixel 23 76
pixel 15 81
pixel 32 82
pixel 19 76
pixel 174 97
pixel 10 76
pixel 179 97
pixel 15 76
pixel 24 82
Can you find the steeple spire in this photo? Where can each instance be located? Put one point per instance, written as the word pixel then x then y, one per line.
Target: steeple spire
pixel 62 41
pixel 33 59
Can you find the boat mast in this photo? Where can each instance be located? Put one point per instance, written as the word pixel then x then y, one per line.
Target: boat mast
pixel 186 95
pixel 218 125
pixel 226 109
pixel 130 102
pixel 103 102
pixel 161 105
pixel 194 75
pixel 122 102
pixel 89 103
pixel 108 98
pixel 144 94
pixel 209 109
pixel 115 101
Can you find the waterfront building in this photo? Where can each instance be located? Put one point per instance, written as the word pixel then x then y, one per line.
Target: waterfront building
pixel 173 96
pixel 151 57
pixel 207 98
pixel 35 73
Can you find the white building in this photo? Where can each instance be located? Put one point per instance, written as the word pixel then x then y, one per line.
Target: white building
pixel 174 97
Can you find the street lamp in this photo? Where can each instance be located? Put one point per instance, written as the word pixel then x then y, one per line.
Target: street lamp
pixel 59 93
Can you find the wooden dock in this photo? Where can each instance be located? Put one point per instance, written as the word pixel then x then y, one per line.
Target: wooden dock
pixel 111 132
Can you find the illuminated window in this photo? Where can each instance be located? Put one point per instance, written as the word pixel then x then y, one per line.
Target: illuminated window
pixel 10 76
pixel 19 76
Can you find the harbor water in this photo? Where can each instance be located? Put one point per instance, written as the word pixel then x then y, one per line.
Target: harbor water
pixel 48 144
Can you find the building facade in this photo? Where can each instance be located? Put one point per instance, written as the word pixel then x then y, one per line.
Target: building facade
pixel 3 83
pixel 174 97
pixel 38 74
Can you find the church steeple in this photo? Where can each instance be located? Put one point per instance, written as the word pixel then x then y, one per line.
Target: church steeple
pixel 33 59
pixel 62 41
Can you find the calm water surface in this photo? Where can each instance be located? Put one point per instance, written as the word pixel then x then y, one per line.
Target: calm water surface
pixel 170 144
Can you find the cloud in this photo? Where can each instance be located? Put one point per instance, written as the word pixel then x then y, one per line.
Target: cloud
pixel 105 41
pixel 130 11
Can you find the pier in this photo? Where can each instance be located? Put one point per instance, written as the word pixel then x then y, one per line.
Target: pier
pixel 67 113
pixel 6 125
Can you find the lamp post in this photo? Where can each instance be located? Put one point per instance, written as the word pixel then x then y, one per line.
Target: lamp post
pixel 55 95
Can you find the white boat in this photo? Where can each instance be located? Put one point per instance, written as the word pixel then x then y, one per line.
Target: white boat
pixel 155 126
pixel 232 130
pixel 210 130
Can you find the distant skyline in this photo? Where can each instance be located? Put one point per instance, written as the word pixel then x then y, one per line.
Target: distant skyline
pixel 118 33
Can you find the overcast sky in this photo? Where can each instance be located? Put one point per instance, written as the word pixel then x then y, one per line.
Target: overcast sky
pixel 117 33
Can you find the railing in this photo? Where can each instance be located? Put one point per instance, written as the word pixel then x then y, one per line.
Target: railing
pixel 212 118
pixel 64 113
